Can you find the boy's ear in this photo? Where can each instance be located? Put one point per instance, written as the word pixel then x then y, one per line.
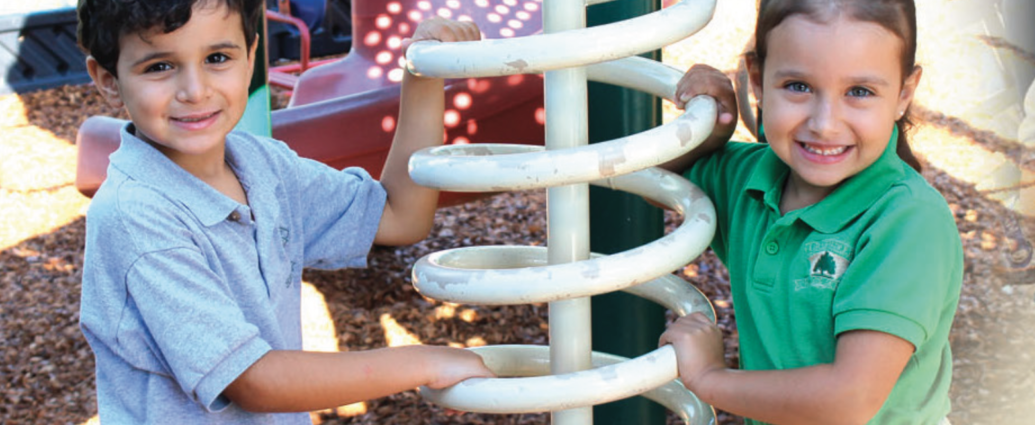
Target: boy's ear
pixel 754 75
pixel 251 56
pixel 105 81
pixel 909 88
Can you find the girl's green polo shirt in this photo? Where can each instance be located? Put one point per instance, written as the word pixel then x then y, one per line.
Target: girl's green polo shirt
pixel 882 252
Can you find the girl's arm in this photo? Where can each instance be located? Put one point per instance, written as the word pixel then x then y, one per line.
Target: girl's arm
pixel 410 208
pixel 300 381
pixel 704 80
pixel 848 391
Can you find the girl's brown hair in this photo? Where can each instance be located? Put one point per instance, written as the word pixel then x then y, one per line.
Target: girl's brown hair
pixel 897 16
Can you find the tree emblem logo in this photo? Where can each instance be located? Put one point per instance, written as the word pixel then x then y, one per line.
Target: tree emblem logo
pixel 825 266
pixel 828 260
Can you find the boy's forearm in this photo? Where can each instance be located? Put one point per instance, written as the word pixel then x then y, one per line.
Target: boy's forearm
pixel 299 381
pixel 410 208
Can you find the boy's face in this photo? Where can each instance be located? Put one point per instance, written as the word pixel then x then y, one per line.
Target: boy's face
pixel 187 89
pixel 830 95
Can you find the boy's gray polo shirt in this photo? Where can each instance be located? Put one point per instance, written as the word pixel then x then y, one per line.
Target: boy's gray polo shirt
pixel 184 288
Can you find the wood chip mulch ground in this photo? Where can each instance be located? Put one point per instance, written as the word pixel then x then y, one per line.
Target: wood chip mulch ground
pixel 46 369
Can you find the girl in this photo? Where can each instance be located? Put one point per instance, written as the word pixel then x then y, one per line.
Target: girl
pixel 845 265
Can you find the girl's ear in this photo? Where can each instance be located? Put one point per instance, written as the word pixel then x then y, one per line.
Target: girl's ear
pixel 909 90
pixel 105 81
pixel 754 75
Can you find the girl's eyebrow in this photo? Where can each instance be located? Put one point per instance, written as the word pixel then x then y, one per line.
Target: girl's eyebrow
pixel 863 80
pixel 870 81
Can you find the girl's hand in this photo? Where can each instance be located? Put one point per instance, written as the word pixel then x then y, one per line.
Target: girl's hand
pixel 704 80
pixel 699 349
pixel 448 366
pixel 444 30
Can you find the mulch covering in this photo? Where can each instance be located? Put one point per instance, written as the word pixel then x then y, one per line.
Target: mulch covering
pixel 47 370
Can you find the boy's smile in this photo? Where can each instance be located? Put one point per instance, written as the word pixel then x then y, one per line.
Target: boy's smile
pixel 185 90
pixel 830 94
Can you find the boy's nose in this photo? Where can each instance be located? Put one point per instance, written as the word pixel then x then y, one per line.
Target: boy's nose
pixel 193 86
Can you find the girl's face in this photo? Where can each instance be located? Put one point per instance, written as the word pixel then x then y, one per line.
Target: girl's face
pixel 830 94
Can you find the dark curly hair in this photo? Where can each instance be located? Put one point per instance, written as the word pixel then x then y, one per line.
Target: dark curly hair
pixel 102 22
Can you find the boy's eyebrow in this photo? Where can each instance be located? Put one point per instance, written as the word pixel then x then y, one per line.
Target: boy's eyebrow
pixel 225 45
pixel 159 55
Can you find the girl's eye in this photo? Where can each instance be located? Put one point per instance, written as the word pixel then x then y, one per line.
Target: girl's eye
pixel 217 58
pixel 797 87
pixel 158 67
pixel 860 92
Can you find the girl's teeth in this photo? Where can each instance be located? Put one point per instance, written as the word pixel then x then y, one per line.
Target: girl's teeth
pixel 825 152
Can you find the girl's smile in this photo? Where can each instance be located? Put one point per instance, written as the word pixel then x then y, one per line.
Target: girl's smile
pixel 822 153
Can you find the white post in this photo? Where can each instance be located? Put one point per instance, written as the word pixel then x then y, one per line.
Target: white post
pixel 568 207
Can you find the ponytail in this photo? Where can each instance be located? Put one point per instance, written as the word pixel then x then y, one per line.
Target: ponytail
pixel 902 149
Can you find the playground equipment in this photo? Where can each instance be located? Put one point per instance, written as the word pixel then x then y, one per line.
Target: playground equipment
pixel 566 274
pixel 343 113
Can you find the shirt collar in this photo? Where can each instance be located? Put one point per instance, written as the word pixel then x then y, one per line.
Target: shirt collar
pixel 851 198
pixel 142 162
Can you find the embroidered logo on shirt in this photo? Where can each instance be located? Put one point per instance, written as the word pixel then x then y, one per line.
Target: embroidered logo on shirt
pixel 285 235
pixel 828 260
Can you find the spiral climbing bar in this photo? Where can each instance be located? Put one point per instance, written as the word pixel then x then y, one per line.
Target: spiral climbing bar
pixel 612 378
pixel 566 378
pixel 519 274
pixel 566 49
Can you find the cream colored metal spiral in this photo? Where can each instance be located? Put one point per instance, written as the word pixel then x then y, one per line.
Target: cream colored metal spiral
pixel 569 54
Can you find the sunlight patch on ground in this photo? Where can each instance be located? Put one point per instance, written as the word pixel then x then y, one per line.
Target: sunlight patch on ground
pixel 37 175
pixel 95 420
pixel 395 334
pixel 319 334
pixel 12 112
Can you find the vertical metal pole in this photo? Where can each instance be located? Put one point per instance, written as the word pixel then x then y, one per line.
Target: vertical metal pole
pixel 568 207
pixel 623 324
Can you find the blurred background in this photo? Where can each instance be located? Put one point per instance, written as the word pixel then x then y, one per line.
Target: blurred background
pixel 975 133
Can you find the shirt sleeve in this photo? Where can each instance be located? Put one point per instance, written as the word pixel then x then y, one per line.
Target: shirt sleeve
pixel 199 331
pixel 906 271
pixel 341 211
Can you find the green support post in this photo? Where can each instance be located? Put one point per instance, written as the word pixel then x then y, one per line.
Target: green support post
pixel 256 119
pixel 623 324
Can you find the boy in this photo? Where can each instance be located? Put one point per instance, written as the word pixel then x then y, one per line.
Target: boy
pixel 197 239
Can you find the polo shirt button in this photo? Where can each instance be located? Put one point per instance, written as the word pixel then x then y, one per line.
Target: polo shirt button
pixel 772 248
pixel 234 216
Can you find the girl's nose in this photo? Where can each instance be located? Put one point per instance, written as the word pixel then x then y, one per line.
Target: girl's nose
pixel 823 117
pixel 193 86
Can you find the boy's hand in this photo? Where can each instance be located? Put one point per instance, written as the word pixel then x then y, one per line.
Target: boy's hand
pixel 699 349
pixel 448 366
pixel 703 79
pixel 444 30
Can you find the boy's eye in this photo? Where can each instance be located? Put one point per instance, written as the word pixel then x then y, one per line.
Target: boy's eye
pixel 860 92
pixel 797 87
pixel 158 67
pixel 217 58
